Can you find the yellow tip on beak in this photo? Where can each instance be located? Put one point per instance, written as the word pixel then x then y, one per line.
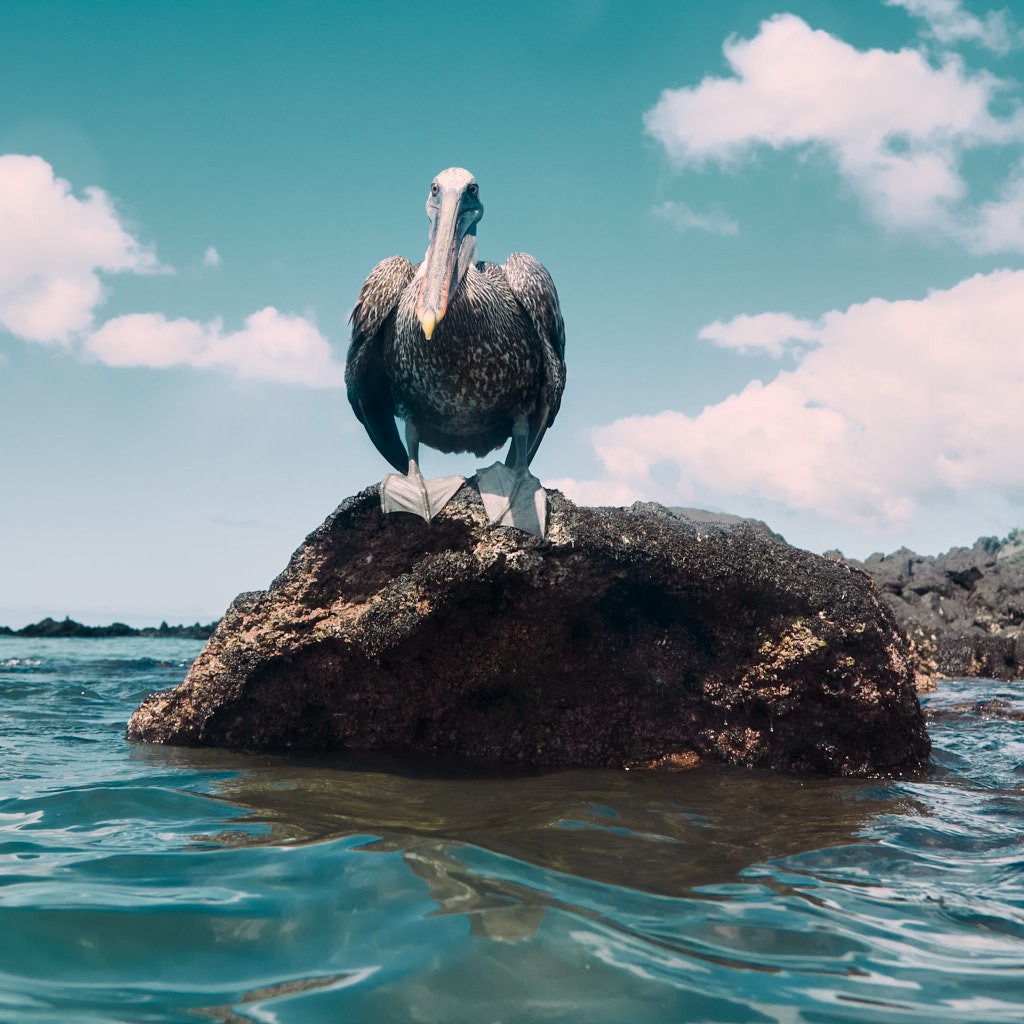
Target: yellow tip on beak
pixel 429 322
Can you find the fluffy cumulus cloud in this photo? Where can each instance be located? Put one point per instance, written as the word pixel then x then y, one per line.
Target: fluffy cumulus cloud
pixel 999 223
pixel 948 23
pixel 894 125
pixel 893 404
pixel 57 247
pixel 270 346
pixel 771 333
pixel 54 248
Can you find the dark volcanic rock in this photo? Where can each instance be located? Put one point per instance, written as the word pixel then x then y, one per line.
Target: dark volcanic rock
pixel 965 607
pixel 69 628
pixel 626 637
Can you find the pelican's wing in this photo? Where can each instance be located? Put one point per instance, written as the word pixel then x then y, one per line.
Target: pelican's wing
pixel 535 292
pixel 369 390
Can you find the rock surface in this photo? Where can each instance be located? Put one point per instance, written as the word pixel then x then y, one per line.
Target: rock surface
pixel 963 609
pixel 627 637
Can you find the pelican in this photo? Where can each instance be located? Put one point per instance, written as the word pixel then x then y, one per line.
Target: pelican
pixel 468 354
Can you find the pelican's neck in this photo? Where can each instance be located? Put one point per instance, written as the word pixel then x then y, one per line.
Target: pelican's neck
pixel 467 254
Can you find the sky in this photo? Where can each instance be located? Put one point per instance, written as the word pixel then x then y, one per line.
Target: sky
pixel 788 240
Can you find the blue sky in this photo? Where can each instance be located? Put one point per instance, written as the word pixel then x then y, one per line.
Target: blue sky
pixel 787 238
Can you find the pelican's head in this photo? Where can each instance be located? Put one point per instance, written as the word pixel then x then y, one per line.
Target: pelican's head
pixel 453 207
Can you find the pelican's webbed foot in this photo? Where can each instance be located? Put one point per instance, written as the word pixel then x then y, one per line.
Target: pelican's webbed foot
pixel 414 493
pixel 513 497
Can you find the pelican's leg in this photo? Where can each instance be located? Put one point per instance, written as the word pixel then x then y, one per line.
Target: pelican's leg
pixel 512 495
pixel 411 492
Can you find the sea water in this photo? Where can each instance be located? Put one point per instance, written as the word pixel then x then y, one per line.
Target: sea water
pixel 146 883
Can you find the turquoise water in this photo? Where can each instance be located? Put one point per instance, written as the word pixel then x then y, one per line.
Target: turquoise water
pixel 154 884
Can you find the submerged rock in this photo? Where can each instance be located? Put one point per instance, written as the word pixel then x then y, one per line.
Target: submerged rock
pixel 626 637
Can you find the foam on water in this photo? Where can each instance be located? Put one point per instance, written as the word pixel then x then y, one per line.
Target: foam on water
pixel 154 884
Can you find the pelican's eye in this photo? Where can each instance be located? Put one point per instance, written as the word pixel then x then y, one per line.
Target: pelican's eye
pixel 435 188
pixel 472 189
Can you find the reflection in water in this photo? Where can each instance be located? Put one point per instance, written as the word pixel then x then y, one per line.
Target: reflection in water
pixel 663 833
pixel 259 998
pixel 687 836
pixel 513 852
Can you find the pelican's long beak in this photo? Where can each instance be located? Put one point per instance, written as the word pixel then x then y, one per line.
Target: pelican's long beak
pixel 440 277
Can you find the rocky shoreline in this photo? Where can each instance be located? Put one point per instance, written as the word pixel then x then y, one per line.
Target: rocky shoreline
pixel 68 627
pixel 962 610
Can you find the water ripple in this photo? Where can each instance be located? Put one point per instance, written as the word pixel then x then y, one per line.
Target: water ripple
pixel 162 885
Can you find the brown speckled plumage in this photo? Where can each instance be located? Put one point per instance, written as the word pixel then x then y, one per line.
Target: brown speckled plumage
pixel 497 353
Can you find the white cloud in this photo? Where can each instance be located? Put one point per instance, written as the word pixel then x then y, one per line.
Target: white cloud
pixel 54 247
pixel 949 24
pixel 682 218
pixel 894 125
pixel 270 346
pixel 900 403
pixel 771 332
pixel 999 224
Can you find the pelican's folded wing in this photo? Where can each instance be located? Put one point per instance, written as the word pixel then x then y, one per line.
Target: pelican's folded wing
pixel 369 389
pixel 535 291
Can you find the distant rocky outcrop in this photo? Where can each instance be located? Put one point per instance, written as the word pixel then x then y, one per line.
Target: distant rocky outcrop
pixel 67 627
pixel 964 610
pixel 626 637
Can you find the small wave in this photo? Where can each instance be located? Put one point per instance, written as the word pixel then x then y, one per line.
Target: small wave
pixel 121 666
pixel 287 888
